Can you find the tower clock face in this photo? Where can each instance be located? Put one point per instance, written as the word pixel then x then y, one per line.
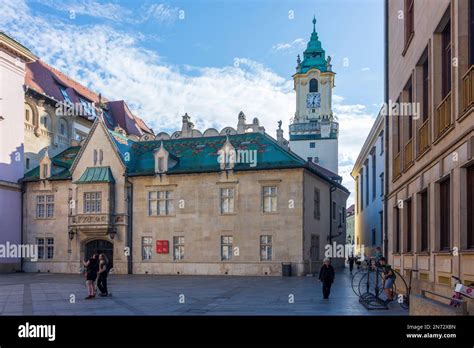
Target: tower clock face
pixel 313 100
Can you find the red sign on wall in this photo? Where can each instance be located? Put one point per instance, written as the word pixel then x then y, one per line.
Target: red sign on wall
pixel 162 247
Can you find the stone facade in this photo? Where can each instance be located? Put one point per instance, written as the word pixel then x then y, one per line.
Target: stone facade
pixel 430 158
pixel 194 213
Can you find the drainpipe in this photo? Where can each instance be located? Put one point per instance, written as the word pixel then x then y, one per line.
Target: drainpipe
pixel 21 221
pixel 130 224
pixel 386 135
pixel 331 190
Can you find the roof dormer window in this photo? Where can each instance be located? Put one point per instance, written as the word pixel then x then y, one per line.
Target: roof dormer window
pixel 66 97
pixel 161 159
pixel 45 166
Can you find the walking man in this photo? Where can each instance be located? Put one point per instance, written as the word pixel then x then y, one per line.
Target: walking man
pixel 326 276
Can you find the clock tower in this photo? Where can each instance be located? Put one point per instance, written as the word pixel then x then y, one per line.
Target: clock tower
pixel 314 130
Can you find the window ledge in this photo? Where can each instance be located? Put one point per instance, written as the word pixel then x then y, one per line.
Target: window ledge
pixel 50 218
pixel 465 113
pixel 161 216
pixel 467 252
pixel 443 134
pixel 228 214
pixel 442 252
pixel 270 213
pixel 422 253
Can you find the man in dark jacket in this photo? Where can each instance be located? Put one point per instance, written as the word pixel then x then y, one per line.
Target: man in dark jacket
pixel 326 276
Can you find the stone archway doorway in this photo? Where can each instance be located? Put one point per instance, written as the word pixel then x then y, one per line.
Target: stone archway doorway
pixel 100 246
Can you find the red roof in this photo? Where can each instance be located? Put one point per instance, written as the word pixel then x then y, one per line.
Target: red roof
pixel 47 80
pixel 350 210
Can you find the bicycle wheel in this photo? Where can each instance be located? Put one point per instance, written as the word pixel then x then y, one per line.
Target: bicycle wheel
pixel 355 281
pixel 371 282
pixel 401 291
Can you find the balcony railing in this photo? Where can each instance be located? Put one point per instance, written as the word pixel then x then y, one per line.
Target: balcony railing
pixel 408 154
pixel 397 168
pixel 468 89
pixel 424 137
pixel 443 116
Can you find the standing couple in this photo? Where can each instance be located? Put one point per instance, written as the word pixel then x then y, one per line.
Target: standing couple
pixel 97 269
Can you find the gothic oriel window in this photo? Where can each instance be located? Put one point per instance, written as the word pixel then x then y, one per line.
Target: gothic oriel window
pixel 92 202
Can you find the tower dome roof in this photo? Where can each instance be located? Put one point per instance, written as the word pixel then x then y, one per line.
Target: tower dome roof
pixel 314 55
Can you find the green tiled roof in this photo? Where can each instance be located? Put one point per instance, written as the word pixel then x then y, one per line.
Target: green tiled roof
pixel 60 166
pixel 197 155
pixel 96 174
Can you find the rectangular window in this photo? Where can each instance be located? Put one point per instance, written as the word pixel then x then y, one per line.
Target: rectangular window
pixel 265 248
pixel 382 145
pixel 362 189
pixel 49 248
pixel 357 195
pixel 40 243
pixel 409 100
pixel 374 181
pixel 226 248
pixel 160 203
pixel 382 182
pixel 381 225
pixel 374 236
pixel 397 229
pixel 27 163
pixel 269 199
pixel 147 248
pixel 409 20
pixel 334 210
pixel 44 206
pixel 92 202
pixel 87 107
pixel 65 94
pixel 317 204
pixel 367 183
pixel 446 61
pixel 445 215
pixel 409 227
pixel 178 248
pixel 424 220
pixel 470 207
pixel 44 167
pixel 343 215
pixel 471 32
pixel 310 159
pixel 312 145
pixel 227 200
pixel 425 87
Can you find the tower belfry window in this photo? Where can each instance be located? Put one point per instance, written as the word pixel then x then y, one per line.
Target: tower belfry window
pixel 313 86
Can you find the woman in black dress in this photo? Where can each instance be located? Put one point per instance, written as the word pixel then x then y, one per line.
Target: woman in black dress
pixel 92 267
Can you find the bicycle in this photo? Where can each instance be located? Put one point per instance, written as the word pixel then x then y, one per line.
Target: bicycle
pixel 362 270
pixel 403 299
pixel 460 291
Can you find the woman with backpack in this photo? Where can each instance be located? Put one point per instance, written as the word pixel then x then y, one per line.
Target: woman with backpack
pixel 103 273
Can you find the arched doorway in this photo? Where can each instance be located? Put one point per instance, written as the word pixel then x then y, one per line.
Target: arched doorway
pixel 100 246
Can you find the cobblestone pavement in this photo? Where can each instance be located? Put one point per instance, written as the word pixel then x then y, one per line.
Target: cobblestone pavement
pixel 50 294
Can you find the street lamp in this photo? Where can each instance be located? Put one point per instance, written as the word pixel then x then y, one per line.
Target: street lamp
pixel 112 232
pixel 339 229
pixel 71 234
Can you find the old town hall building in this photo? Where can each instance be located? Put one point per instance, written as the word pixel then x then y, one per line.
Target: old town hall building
pixel 228 202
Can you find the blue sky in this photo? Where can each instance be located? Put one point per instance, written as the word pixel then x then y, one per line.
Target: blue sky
pixel 211 58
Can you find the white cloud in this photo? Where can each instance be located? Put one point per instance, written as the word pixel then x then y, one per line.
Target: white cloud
pixel 113 63
pixel 295 45
pixel 89 8
pixel 365 69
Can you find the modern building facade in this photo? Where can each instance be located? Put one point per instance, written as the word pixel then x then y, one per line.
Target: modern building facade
pixel 368 173
pixel 234 202
pixel 314 130
pixel 13 61
pixel 430 198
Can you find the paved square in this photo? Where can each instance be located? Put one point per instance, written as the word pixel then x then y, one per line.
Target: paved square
pixel 49 294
